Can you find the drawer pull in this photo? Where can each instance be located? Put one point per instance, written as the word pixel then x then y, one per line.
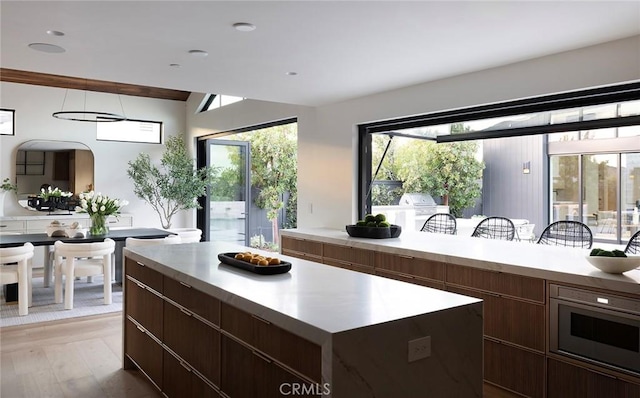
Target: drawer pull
pixel 267 360
pixel 408 276
pixel 186 312
pixel 141 286
pixel 140 264
pixel 140 328
pixel 3 226
pixel 261 319
pixel 405 256
pixel 185 285
pixel 184 365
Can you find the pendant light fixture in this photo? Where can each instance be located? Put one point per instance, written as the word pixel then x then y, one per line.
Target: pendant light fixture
pixel 85 115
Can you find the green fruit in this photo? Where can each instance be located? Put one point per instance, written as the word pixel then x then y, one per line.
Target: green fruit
pixel 361 223
pixel 618 253
pixel 381 217
pixel 384 224
pixel 595 252
pixel 369 218
pixel 372 224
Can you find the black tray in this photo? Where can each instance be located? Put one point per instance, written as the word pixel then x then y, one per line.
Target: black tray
pixel 356 231
pixel 228 258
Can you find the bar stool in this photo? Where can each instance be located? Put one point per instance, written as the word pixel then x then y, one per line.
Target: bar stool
pixel 82 259
pixel 169 240
pixel 16 267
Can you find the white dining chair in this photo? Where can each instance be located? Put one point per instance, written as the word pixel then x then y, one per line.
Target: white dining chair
pixel 16 267
pixel 188 235
pixel 169 240
pixel 82 259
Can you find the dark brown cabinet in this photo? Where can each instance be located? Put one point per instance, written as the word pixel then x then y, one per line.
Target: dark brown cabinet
pixel 268 379
pixel 182 381
pixel 302 248
pixel 287 348
pixel 566 380
pixel 145 352
pixel 189 344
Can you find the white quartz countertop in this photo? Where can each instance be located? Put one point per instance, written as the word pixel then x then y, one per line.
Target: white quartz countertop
pixel 326 299
pixel 560 264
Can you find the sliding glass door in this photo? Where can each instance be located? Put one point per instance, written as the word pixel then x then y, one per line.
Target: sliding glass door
pixel 227 202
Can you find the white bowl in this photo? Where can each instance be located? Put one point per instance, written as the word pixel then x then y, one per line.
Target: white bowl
pixel 76 232
pixel 56 230
pixel 614 265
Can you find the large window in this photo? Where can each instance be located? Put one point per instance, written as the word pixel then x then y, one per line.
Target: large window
pixel 585 161
pixel 143 131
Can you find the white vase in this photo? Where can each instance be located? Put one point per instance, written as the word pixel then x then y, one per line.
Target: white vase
pixel 9 205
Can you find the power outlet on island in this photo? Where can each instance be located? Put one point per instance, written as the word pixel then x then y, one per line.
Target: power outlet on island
pixel 419 348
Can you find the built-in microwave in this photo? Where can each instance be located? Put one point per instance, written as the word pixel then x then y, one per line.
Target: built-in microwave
pixel 595 327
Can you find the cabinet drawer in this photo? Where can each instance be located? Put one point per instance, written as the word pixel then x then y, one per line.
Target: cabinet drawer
pixel 265 379
pixel 515 369
pixel 348 255
pixel 192 340
pixel 515 321
pixel 286 347
pixel 144 305
pixel 410 266
pixel 496 282
pixel 567 380
pixel 353 267
pixel 410 279
pixel 14 226
pixel 144 274
pixel 192 299
pixel 144 351
pixel 180 380
pixel 302 246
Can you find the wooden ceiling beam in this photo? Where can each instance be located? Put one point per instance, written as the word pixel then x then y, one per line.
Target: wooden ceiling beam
pixel 45 79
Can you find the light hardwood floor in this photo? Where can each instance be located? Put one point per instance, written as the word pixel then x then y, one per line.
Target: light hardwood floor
pixel 80 357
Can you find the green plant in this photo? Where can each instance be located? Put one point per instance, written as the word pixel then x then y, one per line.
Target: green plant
pixel 96 203
pixel 175 185
pixel 8 186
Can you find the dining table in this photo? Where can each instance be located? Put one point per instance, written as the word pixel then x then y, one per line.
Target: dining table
pixel 119 235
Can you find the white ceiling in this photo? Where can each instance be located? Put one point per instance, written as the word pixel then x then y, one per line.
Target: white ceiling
pixel 340 49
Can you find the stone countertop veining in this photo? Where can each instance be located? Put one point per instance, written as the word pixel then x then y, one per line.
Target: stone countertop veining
pixel 311 299
pixel 554 263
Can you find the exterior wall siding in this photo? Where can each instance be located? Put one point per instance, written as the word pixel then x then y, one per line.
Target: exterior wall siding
pixel 506 190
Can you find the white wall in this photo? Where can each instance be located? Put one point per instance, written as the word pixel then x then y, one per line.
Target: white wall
pixel 327 158
pixel 34 106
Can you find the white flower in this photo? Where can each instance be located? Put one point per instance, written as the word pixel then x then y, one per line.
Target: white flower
pixel 102 208
pixel 124 203
pixel 115 203
pixel 94 208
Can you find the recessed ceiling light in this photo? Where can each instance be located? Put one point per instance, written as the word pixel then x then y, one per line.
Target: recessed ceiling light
pixel 55 33
pixel 174 65
pixel 292 73
pixel 47 48
pixel 244 26
pixel 198 53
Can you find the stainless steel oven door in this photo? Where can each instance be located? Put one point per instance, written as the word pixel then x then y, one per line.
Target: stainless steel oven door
pixel 595 334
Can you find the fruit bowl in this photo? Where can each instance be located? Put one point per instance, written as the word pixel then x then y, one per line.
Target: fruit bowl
pixel 614 265
pixel 357 231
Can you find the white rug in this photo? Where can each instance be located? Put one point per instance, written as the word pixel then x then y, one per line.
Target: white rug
pixel 88 300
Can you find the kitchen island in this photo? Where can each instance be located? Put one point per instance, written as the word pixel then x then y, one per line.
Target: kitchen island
pixel 520 283
pixel 197 327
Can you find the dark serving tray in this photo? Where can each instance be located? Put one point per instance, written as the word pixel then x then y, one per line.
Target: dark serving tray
pixel 228 258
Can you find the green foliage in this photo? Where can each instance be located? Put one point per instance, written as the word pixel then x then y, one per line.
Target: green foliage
pixel 8 186
pixel 175 185
pixel 450 170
